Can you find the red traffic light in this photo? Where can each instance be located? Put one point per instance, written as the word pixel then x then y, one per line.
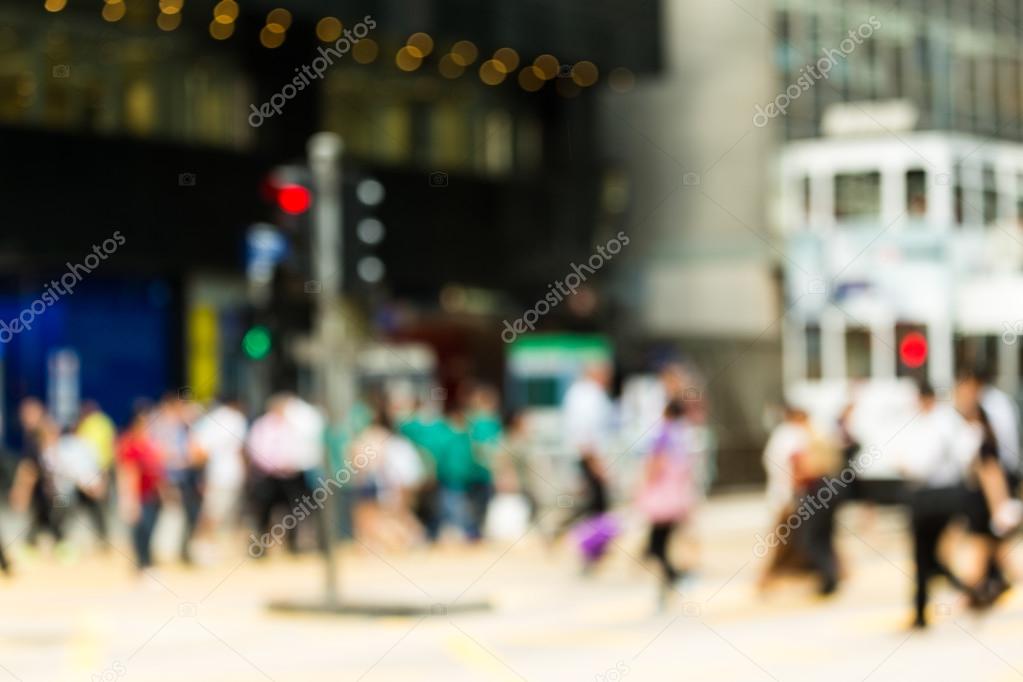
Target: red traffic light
pixel 293 199
pixel 913 349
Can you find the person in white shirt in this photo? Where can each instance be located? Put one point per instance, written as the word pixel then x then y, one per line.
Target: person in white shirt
pixel 77 478
pixel 588 414
pixel 941 447
pixel 218 438
pixel 789 438
pixel 274 446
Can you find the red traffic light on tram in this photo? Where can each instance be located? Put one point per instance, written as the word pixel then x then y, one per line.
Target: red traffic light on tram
pixel 913 349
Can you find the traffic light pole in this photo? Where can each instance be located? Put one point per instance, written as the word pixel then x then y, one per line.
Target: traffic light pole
pixel 324 151
pixel 335 377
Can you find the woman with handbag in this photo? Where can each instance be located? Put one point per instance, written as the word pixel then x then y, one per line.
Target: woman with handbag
pixel 667 491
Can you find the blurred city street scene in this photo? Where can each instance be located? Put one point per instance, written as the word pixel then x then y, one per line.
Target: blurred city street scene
pixel 538 340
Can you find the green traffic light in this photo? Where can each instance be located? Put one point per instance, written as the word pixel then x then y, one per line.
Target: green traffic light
pixel 256 343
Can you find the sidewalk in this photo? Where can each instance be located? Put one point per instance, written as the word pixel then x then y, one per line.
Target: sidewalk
pixel 548 623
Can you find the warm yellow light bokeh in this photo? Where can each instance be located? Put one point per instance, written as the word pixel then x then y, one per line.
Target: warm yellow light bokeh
pixel 548 65
pixel 464 53
pixel 365 51
pixel 328 29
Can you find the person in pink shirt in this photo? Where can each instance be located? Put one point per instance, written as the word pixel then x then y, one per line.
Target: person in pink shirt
pixel 667 488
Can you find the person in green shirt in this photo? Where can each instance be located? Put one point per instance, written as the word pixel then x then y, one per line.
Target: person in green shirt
pixel 429 433
pixel 457 472
pixel 485 433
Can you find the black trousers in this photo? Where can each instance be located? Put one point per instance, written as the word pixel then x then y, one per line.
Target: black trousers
pixel 278 492
pixel 96 509
pixel 931 511
pixel 189 485
pixel 816 537
pixel 45 516
pixel 660 536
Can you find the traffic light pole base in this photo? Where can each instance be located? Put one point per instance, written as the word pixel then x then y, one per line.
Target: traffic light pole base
pixel 346 608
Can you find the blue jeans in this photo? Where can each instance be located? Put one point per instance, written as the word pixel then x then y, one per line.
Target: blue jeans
pixel 456 509
pixel 142 532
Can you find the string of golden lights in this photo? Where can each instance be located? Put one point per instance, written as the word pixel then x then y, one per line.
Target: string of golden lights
pixel 569 79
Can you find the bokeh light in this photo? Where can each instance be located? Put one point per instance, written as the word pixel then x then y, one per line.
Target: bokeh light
pixel 328 29
pixel 464 52
pixel 548 66
pixel 365 51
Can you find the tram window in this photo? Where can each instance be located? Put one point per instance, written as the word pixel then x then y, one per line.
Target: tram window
pixel 990 198
pixel 857 353
pixel 916 193
pixel 857 196
pixel 977 353
pixel 813 352
pixel 805 208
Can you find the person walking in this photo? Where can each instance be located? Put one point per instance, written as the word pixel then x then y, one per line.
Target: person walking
pixel 486 433
pixel 668 489
pixel 587 414
pixel 993 510
pixel 388 470
pixel 277 468
pixel 169 428
pixel 34 488
pixel 218 439
pixel 934 465
pixel 140 479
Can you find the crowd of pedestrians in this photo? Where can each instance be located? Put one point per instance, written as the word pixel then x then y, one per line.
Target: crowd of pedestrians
pixel 411 473
pixel 958 460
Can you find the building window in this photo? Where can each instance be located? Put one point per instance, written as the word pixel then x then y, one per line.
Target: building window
pixel 858 196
